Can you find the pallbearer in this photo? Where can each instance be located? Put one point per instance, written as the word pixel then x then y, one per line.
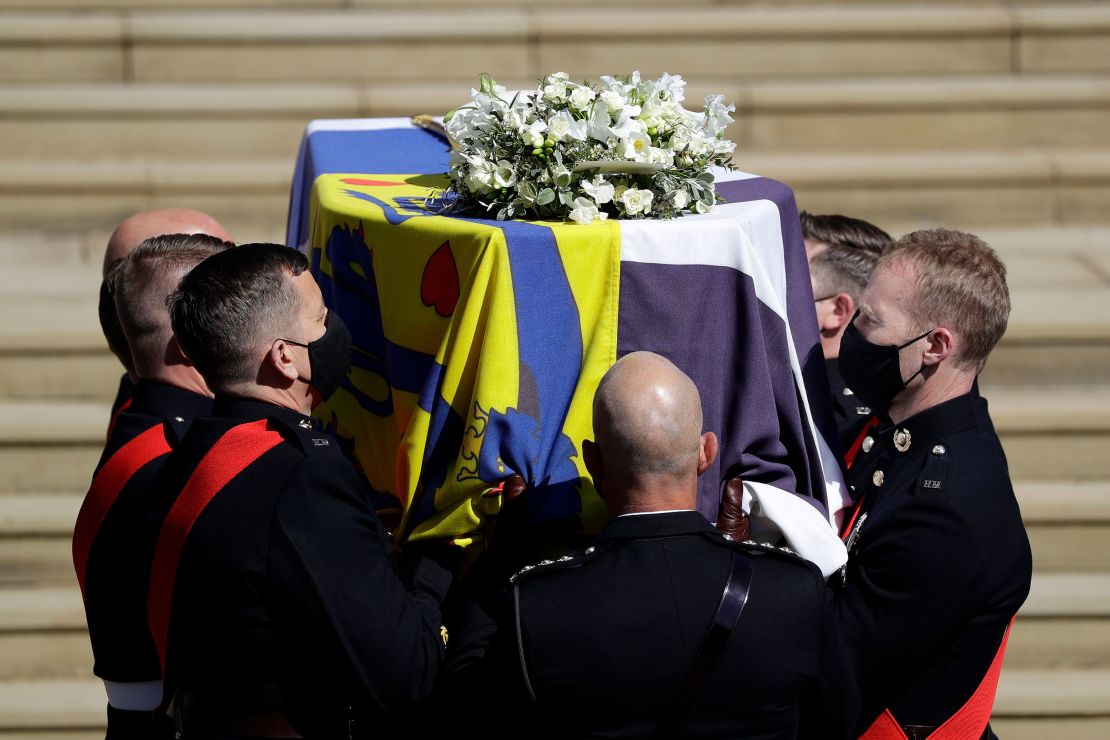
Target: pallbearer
pixel 274 600
pixel 939 560
pixel 131 232
pixel 112 542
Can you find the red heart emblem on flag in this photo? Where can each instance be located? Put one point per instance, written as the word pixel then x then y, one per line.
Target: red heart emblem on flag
pixel 439 286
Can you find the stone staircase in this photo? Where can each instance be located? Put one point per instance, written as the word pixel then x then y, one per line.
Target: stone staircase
pixel 990 116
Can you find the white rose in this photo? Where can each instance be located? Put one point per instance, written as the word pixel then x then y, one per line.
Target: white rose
pixel 585 212
pixel 558 76
pixel 580 97
pixel 698 147
pixel 559 125
pixel 636 201
pixel 701 207
pixel 599 189
pixel 556 92
pixel 504 176
pixel 613 100
pixel 664 157
pixel 480 179
pixel 680 198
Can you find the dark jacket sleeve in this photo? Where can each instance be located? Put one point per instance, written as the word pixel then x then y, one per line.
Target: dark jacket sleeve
pixel 910 587
pixel 328 540
pixel 830 710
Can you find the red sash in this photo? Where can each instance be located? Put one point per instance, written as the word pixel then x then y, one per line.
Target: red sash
pixel 115 417
pixel 967 723
pixel 850 455
pixel 233 452
pixel 105 489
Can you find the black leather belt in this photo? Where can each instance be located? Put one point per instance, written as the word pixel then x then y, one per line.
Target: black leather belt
pixel 733 599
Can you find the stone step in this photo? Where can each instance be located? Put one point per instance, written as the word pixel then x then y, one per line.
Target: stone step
pixel 36 530
pixel 1030 705
pixel 43 634
pixel 1034 187
pixel 50 446
pixel 1068 524
pixel 1064 625
pixel 57 121
pixel 304 5
pixel 370 43
pixel 62 709
pixel 1058 432
pixel 1028 698
pixel 1036 704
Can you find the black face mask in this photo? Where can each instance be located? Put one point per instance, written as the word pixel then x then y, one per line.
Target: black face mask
pixel 871 370
pixel 329 357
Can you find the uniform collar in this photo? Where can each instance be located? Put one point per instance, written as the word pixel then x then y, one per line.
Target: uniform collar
pixel 655 525
pixel 249 409
pixel 151 398
pixel 942 420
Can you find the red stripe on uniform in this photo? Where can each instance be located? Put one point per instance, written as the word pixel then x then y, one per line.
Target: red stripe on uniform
pixel 850 455
pixel 233 452
pixel 968 722
pixel 106 487
pixel 115 417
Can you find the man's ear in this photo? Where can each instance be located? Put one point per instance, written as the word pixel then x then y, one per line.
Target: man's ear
pixel 282 360
pixel 940 347
pixel 707 451
pixel 591 456
pixel 843 308
pixel 174 354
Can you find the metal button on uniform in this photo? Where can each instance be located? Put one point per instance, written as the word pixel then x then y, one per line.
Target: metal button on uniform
pixel 878 477
pixel 178 418
pixel 868 443
pixel 939 450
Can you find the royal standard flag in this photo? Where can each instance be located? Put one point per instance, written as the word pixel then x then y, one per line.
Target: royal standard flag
pixel 478 344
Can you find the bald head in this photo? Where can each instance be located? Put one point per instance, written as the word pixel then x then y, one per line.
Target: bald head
pixel 136 229
pixel 648 429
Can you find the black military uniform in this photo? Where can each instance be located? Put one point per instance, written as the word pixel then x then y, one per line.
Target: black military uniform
pixel 598 645
pixel 851 414
pixel 285 612
pixel 124 396
pixel 939 563
pixel 113 544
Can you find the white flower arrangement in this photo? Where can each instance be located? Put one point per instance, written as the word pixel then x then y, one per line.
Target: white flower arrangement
pixel 624 148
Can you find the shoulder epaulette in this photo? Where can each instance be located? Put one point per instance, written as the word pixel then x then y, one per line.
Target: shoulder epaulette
pixel 546 566
pixel 767 547
pixel 310 440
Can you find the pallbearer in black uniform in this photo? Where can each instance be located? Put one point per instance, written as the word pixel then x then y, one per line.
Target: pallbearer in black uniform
pixel 638 636
pixel 131 232
pixel 939 561
pixel 274 600
pixel 113 543
pixel 842 252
